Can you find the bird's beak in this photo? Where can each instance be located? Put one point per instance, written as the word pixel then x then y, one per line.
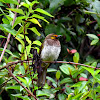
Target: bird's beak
pixel 58 36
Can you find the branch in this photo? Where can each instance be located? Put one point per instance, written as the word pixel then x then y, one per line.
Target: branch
pixel 65 62
pixel 9 35
pixel 21 84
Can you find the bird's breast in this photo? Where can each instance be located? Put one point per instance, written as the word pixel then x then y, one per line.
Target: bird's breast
pixel 50 53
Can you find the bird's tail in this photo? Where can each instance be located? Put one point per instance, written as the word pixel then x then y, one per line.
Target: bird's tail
pixel 42 78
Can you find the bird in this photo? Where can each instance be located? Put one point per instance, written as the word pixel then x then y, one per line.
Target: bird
pixel 49 51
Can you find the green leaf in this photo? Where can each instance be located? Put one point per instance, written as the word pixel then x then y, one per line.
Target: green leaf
pixel 8 51
pixel 22 80
pixel 13 87
pixel 10 1
pixel 92 36
pixel 5 21
pixel 35 30
pixel 1 4
pixel 66 68
pixel 94 42
pixel 22 69
pixel 39 17
pixel 61 96
pixel 58 75
pixel 35 21
pixel 37 42
pixel 21 41
pixel 51 70
pixel 17 21
pixel 76 57
pixel 33 2
pixel 28 48
pixel 91 70
pixel 52 80
pixel 43 12
pixel 20 30
pixel 28 40
pixel 20 11
pixel 66 80
pixel 25 4
pixel 1 36
pixel 42 93
pixel 8 28
pixel 20 96
pixel 94 64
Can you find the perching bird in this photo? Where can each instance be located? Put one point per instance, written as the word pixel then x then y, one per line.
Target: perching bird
pixel 49 51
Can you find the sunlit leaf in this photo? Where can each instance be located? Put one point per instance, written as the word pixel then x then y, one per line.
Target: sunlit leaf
pixel 37 42
pixel 7 28
pixel 10 1
pixel 93 36
pixel 43 12
pixel 35 30
pixel 20 11
pixel 94 41
pixel 1 36
pixel 35 21
pixel 39 17
pixel 58 75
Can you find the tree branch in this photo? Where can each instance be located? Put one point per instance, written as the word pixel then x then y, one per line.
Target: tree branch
pixel 21 84
pixel 9 35
pixel 65 62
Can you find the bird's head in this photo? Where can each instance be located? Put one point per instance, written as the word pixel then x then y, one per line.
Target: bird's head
pixel 53 36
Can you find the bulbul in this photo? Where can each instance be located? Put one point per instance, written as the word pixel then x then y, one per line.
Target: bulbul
pixel 49 51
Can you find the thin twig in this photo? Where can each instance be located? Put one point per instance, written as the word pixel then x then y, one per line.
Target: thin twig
pixel 21 84
pixel 9 35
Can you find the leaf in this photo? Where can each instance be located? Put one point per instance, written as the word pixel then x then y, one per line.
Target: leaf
pixel 25 4
pixel 52 80
pixel 20 30
pixel 33 2
pixel 8 51
pixel 1 36
pixel 94 42
pixel 37 42
pixel 76 57
pixel 43 12
pixel 61 96
pixel 8 28
pixel 39 17
pixel 20 11
pixel 58 75
pixel 92 36
pixel 35 21
pixel 22 69
pixel 66 80
pixel 17 21
pixel 10 1
pixel 51 70
pixel 20 96
pixel 94 64
pixel 5 21
pixel 66 68
pixel 91 70
pixel 35 30
pixel 13 87
pixel 28 48
pixel 42 93
pixel 28 40
pixel 22 80
pixel 21 41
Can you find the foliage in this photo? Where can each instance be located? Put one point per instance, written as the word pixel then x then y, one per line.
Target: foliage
pixel 78 21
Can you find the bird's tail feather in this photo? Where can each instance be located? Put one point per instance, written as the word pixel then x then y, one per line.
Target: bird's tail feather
pixel 42 78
